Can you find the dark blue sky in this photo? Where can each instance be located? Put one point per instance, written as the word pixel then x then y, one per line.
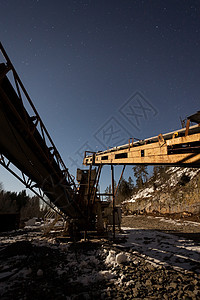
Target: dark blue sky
pixel 100 72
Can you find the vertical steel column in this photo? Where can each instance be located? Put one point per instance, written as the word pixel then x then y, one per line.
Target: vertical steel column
pixel 113 198
pixel 89 180
pixel 187 127
pixel 120 179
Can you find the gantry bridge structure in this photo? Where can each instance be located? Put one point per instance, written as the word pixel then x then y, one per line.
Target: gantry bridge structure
pixel 178 148
pixel 28 152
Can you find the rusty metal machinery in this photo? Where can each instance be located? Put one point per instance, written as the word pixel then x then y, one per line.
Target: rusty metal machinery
pixel 179 148
pixel 26 144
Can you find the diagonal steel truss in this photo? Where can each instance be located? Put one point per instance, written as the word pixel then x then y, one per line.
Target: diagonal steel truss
pixel 36 124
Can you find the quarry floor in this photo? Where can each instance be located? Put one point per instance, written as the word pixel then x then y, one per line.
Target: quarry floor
pixel 151 258
pixel 188 227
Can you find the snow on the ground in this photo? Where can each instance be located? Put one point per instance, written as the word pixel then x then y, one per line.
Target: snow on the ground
pixel 163 248
pixel 114 259
pixel 145 193
pixel 88 269
pixel 175 222
pixel 155 247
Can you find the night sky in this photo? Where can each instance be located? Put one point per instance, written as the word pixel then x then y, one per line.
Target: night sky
pixel 100 72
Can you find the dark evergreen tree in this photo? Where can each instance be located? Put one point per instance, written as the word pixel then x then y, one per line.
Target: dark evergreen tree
pixel 108 190
pixel 130 183
pixel 141 175
pixel 125 190
pixel 22 199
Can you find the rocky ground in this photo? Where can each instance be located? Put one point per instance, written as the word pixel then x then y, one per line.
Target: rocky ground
pixel 174 224
pixel 151 259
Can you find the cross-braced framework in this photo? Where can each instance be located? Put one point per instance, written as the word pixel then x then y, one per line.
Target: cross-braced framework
pixel 28 152
pixel 37 122
pixel 25 143
pixel 28 183
pixel 179 148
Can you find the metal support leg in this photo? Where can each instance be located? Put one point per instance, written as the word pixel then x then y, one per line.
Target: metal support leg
pixel 120 179
pixel 187 127
pixel 113 199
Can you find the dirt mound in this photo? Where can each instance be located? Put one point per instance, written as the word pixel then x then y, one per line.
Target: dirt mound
pixel 17 248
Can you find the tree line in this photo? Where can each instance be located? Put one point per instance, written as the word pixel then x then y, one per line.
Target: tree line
pixel 27 206
pixel 142 179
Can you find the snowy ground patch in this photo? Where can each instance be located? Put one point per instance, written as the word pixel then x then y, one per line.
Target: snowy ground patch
pixel 164 249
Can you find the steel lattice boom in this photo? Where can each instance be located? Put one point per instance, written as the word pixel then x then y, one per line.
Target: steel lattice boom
pixel 26 144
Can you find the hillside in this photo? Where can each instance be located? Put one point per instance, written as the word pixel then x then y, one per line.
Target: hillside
pixel 170 190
